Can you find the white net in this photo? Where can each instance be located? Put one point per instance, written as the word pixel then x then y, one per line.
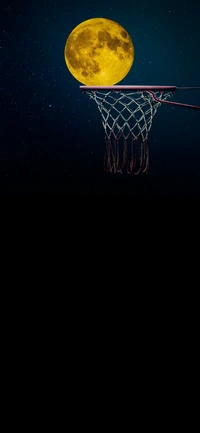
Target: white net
pixel 127 119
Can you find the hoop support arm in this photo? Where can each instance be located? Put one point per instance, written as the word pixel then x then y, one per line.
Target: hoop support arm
pixel 179 104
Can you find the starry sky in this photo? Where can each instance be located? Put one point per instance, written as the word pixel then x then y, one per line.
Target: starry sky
pixel 52 139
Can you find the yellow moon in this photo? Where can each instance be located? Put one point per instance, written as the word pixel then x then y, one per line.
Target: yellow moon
pixel 99 52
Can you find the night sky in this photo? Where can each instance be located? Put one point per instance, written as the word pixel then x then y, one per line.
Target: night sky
pixel 51 135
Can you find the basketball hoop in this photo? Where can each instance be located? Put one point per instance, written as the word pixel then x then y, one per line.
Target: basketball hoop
pixel 127 113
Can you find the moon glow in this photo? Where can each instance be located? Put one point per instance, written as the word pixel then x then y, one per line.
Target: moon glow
pixel 99 52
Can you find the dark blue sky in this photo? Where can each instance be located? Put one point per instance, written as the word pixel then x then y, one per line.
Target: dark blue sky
pixel 52 139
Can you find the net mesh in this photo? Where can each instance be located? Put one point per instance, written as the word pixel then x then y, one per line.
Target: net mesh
pixel 127 119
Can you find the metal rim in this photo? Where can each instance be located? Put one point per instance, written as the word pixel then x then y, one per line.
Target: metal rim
pixel 134 88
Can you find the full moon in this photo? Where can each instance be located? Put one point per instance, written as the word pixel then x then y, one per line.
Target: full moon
pixel 99 52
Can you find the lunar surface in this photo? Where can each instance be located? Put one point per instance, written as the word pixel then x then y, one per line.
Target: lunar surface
pixel 99 52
